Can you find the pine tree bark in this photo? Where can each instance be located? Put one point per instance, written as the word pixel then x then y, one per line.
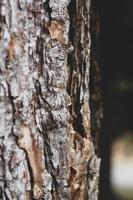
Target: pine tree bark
pixel 46 148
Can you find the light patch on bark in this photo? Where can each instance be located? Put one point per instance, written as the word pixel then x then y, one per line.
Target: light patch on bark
pixel 27 142
pixel 56 30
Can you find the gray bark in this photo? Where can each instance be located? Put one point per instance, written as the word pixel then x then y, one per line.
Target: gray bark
pixel 46 148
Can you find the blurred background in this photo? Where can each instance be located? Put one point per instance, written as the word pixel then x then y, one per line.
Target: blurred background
pixel 116 63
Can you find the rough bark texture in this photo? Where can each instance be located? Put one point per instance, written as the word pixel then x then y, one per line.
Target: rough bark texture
pixel 96 103
pixel 46 150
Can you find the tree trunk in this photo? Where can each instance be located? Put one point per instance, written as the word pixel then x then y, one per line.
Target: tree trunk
pixel 46 148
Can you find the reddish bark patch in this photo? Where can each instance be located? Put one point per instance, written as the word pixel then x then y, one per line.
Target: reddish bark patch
pixel 27 142
pixel 12 46
pixel 56 30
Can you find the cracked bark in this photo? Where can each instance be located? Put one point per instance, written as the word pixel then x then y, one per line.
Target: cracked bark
pixel 46 148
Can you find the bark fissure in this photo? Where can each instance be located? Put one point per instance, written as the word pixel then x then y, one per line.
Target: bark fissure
pixel 95 76
pixel 78 34
pixel 76 60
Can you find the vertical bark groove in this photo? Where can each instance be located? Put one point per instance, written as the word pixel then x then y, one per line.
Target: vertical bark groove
pixel 79 62
pixel 95 77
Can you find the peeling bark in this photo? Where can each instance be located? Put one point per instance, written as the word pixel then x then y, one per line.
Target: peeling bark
pixel 46 148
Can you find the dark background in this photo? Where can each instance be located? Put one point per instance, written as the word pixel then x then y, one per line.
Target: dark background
pixel 116 64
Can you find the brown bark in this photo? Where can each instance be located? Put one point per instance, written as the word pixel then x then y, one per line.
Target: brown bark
pixel 46 148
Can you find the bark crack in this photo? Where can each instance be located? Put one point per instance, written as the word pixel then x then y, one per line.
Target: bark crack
pixel 77 66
